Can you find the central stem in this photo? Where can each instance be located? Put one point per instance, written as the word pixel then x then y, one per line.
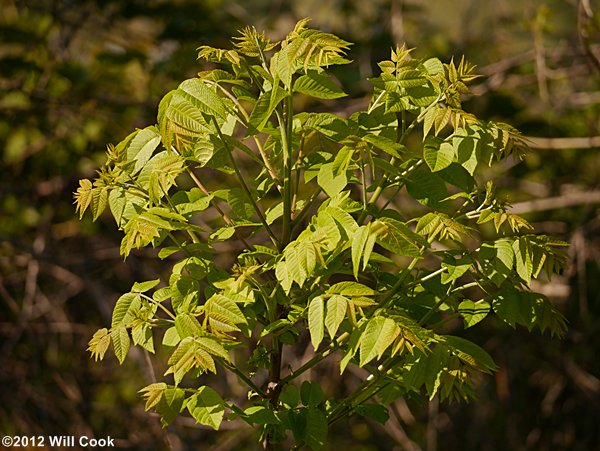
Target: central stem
pixel 285 127
pixel 275 384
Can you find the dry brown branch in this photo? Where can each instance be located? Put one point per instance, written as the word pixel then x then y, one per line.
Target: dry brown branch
pixel 556 203
pixel 586 142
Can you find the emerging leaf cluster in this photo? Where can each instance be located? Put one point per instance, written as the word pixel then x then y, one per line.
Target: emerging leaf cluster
pixel 323 245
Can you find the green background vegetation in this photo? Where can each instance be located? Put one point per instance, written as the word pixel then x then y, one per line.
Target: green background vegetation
pixel 76 75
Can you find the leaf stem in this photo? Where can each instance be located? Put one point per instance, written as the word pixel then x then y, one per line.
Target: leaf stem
pixel 285 126
pixel 333 346
pixel 433 310
pixel 396 287
pixel 244 185
pixel 243 377
pixel 158 304
pixel 226 218
pixel 300 217
pixel 259 145
pixel 346 407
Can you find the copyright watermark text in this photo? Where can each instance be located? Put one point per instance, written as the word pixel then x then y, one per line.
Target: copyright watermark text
pixel 64 441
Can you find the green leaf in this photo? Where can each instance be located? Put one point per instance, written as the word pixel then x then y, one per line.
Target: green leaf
pixel 212 346
pixel 332 183
pixel 274 213
pixel 408 78
pixel 261 414
pixel 290 396
pixel 190 202
pixel 360 249
pixel 98 344
pixel 332 175
pixel 523 262
pixel 316 428
pixel 379 334
pixel 438 156
pixel 455 268
pixel 505 252
pixel 187 325
pixel 336 312
pixel 319 86
pixel 143 228
pixel 377 412
pixel 434 66
pixel 529 310
pixel 142 287
pixel 124 205
pixel 171 404
pixel 316 313
pixel 435 363
pixel 440 226
pixel 222 234
pixel 142 336
pixel 465 143
pixel 120 341
pixel 428 119
pixel 343 218
pixel 458 176
pixel 202 97
pixel 191 353
pixel 141 147
pixel 471 354
pixel 311 394
pixel 350 288
pixel 473 312
pixel 330 125
pixel 389 146
pixel 171 337
pixel 125 309
pixel 184 292
pixel 427 187
pixel 99 201
pixel 153 393
pixel 207 407
pixel 299 262
pixel 264 108
pixel 351 348
pixel 397 237
pixel 83 196
pixel 223 314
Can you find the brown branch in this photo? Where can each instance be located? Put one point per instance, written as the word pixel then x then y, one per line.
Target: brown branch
pixel 586 142
pixel 556 203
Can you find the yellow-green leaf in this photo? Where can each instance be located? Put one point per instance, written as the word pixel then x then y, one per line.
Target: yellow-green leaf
pixel 336 312
pixel 207 407
pixel 316 313
pixel 99 344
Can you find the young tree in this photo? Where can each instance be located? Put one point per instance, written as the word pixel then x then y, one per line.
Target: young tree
pixel 326 252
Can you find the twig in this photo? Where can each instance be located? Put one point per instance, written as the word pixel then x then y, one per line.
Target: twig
pixel 586 142
pixel 556 203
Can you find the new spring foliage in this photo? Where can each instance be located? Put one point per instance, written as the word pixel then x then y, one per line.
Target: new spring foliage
pixel 308 202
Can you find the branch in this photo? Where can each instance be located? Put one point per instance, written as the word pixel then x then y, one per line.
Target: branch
pixel 556 203
pixel 243 377
pixel 586 142
pixel 333 346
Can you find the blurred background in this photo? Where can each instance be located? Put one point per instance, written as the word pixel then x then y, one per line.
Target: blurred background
pixel 76 75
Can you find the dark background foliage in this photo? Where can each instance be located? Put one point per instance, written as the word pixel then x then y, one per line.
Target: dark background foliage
pixel 76 75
